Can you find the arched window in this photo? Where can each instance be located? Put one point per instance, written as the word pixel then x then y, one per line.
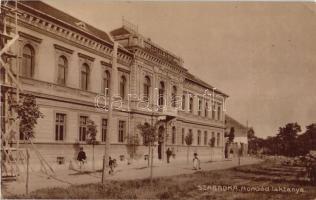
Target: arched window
pixel 147 85
pixel 85 71
pixel 218 139
pixel 173 139
pixel 161 93
pixel 122 87
pixel 106 81
pixel 173 95
pixel 62 70
pixel 191 104
pixel 28 61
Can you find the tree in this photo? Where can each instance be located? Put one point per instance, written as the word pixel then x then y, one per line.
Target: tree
pixel 212 145
pixel 28 114
pixel 91 134
pixel 188 141
pixel 307 141
pixel 150 135
pixel 287 139
pixel 132 142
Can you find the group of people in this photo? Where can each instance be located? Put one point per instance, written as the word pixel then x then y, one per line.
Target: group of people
pixel 82 159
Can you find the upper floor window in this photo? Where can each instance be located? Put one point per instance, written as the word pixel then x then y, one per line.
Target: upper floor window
pixel 191 105
pixel 161 93
pixel 213 111
pixel 62 70
pixel 173 139
pixel 147 85
pixel 85 71
pixel 123 87
pixel 199 137
pixel 173 95
pixel 200 107
pixel 28 61
pixel 206 110
pixel 60 126
pixel 219 112
pixel 183 102
pixel 106 81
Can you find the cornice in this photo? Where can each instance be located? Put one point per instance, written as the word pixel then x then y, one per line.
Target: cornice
pixel 30 37
pixel 86 57
pixel 63 49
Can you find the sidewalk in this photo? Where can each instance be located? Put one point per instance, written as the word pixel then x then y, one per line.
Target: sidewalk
pixel 137 170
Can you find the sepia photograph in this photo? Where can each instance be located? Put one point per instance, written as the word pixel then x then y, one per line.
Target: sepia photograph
pixel 162 99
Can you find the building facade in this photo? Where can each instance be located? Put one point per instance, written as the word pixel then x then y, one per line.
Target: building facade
pixel 67 65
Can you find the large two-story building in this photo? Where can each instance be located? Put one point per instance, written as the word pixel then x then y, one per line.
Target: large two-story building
pixel 66 64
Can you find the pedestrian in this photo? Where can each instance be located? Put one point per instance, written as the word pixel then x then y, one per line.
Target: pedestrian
pixel 196 162
pixel 111 165
pixel 81 158
pixel 169 153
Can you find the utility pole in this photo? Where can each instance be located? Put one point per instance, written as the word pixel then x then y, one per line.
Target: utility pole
pixel 112 92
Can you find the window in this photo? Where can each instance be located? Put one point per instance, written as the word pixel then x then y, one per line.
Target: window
pixel 182 137
pixel 205 137
pixel 199 137
pixel 219 112
pixel 122 130
pixel 173 96
pixel 62 70
pixel 28 59
pixel 104 129
pixel 200 107
pixel 147 85
pixel 183 102
pixel 213 111
pixel 60 126
pixel 161 93
pixel 191 105
pixel 83 128
pixel 122 87
pixel 85 76
pixel 218 139
pixel 206 110
pixel 173 139
pixel 106 81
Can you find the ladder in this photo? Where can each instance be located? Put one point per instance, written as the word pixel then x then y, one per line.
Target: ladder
pixel 12 156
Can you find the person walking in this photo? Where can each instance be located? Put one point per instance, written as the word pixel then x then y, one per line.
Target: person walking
pixel 81 158
pixel 169 153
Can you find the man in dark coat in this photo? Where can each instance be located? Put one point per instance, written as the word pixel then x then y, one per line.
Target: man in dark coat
pixel 81 158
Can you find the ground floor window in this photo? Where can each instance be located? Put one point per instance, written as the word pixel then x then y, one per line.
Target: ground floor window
pixel 122 131
pixel 60 126
pixel 182 138
pixel 83 128
pixel 205 137
pixel 173 135
pixel 104 129
pixel 199 137
pixel 218 139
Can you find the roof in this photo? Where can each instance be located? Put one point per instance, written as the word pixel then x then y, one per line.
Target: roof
pixel 58 15
pixel 231 120
pixel 197 80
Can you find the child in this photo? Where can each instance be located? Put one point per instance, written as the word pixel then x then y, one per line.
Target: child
pixel 196 162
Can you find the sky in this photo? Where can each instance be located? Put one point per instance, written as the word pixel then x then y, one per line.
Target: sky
pixel 263 54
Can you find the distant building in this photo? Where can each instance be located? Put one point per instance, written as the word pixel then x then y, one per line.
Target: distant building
pixel 240 139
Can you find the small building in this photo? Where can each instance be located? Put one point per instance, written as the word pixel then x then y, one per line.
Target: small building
pixel 240 137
